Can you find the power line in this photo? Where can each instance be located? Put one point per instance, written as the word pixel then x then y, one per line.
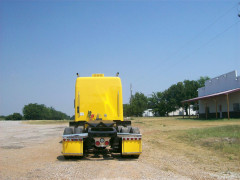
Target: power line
pixel 212 39
pixel 196 37
pixel 205 44
pixel 209 26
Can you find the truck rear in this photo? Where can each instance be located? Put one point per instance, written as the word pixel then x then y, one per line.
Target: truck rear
pixel 99 120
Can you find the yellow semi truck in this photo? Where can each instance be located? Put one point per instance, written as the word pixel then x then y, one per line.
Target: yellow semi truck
pixel 99 122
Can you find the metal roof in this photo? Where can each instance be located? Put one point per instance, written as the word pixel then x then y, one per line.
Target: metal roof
pixel 212 95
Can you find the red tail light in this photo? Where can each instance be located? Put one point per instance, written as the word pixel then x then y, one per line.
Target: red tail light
pixel 97 143
pixel 106 143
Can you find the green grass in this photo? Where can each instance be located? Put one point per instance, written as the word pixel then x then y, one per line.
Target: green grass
pixel 206 120
pixel 225 139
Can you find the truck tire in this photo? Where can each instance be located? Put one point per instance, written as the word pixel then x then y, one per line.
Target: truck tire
pixel 68 131
pixel 67 157
pixel 125 130
pixel 78 130
pixel 119 128
pixel 129 129
pixel 136 156
pixel 135 130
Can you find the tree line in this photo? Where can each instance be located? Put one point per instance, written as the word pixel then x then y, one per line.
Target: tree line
pixel 164 102
pixel 38 112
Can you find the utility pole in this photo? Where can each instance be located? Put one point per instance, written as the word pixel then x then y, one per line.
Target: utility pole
pixel 131 89
pixel 131 93
pixel 238 10
pixel 131 99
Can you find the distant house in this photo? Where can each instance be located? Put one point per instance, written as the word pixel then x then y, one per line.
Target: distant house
pixel 181 112
pixel 220 97
pixel 148 113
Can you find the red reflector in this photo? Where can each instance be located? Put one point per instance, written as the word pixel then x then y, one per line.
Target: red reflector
pixel 140 138
pixel 106 143
pixel 131 138
pixel 127 138
pixel 123 138
pixel 68 140
pixel 97 143
pixel 135 138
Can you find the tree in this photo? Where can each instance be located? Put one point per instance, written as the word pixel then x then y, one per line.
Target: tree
pixel 171 99
pixel 167 101
pixel 202 80
pixel 34 111
pixel 14 116
pixel 2 117
pixel 138 104
pixel 190 89
pixel 127 110
pixel 40 111
pixel 173 96
pixel 157 103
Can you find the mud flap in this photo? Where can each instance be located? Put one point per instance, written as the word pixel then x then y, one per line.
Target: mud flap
pixel 73 145
pixel 131 146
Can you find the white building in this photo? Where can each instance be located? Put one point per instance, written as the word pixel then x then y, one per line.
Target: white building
pixel 148 113
pixel 220 97
pixel 181 112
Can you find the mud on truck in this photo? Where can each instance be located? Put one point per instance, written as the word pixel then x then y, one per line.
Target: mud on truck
pixel 99 122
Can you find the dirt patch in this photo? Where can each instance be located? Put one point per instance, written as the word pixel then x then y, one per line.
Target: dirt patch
pixel 12 147
pixel 34 152
pixel 217 140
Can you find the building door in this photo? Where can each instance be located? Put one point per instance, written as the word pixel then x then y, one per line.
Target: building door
pixel 220 111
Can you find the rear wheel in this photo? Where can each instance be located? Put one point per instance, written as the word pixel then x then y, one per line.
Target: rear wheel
pixel 67 157
pixel 135 130
pixel 68 131
pixel 78 130
pixel 129 129
pixel 125 129
pixel 119 128
pixel 136 156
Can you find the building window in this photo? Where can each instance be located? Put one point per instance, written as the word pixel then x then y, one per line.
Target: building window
pixel 236 107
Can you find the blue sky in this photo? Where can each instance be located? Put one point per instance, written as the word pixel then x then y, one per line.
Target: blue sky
pixel 153 44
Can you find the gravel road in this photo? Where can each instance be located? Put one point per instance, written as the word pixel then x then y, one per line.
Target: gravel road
pixel 34 152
